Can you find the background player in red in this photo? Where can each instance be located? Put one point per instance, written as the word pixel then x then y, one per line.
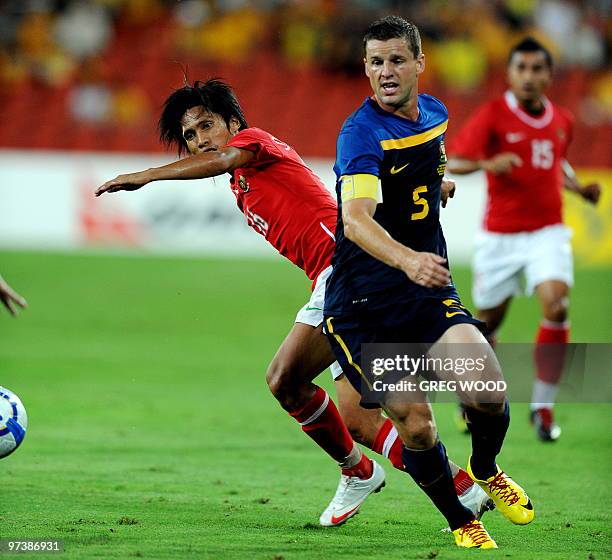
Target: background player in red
pixel 10 298
pixel 520 140
pixel 286 203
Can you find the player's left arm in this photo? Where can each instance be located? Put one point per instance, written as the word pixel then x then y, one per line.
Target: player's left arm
pixel 200 166
pixel 590 192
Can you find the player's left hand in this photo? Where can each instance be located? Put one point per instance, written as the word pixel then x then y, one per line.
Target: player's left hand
pixel 447 190
pixel 127 182
pixel 591 192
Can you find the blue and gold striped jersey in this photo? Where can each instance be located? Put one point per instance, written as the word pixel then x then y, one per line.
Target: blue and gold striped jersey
pixel 409 159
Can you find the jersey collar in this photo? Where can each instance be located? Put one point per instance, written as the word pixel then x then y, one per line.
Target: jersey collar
pixel 371 101
pixel 534 122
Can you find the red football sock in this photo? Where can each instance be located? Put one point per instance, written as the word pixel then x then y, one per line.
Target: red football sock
pixel 549 353
pixel 388 443
pixel 549 357
pixel 363 469
pixel 321 421
pixel 463 482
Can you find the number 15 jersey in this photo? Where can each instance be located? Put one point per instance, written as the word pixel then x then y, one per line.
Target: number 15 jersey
pixel 529 197
pixel 409 159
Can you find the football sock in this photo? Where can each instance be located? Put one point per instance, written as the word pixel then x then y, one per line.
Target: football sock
pixel 321 421
pixel 488 433
pixel 462 482
pixel 388 443
pixel 549 358
pixel 357 464
pixel 430 470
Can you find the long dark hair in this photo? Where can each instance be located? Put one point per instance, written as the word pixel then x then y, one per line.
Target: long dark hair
pixel 214 95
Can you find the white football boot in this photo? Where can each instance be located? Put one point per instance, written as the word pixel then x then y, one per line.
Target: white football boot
pixel 350 494
pixel 477 501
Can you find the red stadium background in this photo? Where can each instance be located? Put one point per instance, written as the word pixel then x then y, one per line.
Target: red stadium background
pixel 92 75
pixel 83 78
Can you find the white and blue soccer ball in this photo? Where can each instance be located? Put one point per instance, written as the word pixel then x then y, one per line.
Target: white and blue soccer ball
pixel 13 422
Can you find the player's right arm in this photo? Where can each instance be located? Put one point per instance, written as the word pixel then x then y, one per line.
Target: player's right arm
pixel 359 202
pixel 200 166
pixel 497 164
pixel 469 148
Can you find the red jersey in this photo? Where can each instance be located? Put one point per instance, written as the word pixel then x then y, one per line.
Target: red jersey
pixel 283 200
pixel 529 197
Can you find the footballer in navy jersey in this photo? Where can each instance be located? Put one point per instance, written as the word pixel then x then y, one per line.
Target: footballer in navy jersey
pixel 391 281
pixel 409 159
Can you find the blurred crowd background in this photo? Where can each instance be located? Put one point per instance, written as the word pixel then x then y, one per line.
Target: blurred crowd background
pixel 92 74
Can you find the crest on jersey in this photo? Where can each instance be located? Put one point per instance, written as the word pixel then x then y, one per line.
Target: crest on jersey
pixel 442 152
pixel 443 159
pixel 243 184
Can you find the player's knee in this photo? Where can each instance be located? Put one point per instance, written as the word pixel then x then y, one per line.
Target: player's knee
pixel 491 401
pixel 490 408
pixel 418 431
pixel 422 436
pixel 490 395
pixel 279 380
pixel 557 309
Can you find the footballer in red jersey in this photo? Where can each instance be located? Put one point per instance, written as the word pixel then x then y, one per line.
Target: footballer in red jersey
pixel 520 140
pixel 283 200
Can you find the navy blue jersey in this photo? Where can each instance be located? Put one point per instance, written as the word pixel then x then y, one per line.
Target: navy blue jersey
pixel 409 159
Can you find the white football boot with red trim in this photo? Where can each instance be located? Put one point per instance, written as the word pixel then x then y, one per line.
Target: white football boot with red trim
pixel 351 493
pixel 476 500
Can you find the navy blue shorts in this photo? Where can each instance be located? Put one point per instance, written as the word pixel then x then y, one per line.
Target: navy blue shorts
pixel 421 321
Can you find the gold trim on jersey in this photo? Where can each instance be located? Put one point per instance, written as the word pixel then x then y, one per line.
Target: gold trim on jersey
pixel 346 351
pixel 415 140
pixel 361 185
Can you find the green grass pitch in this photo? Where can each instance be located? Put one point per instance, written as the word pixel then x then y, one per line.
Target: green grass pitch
pixel 152 432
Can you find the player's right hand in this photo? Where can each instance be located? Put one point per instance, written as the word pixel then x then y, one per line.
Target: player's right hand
pixel 10 297
pixel 128 182
pixel 426 269
pixel 502 163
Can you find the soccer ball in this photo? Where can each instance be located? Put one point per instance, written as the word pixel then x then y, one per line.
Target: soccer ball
pixel 13 422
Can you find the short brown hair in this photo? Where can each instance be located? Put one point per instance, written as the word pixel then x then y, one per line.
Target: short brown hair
pixel 394 27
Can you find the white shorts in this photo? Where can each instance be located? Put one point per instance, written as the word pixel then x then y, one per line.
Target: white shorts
pixel 312 313
pixel 505 262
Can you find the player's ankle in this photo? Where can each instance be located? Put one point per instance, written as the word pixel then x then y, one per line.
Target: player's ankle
pixel 363 469
pixel 462 482
pixel 483 470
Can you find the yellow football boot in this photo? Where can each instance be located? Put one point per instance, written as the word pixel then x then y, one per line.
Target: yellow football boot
pixel 509 498
pixel 473 535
